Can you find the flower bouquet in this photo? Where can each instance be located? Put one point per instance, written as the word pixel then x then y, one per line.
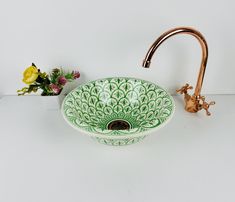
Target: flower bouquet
pixel 49 84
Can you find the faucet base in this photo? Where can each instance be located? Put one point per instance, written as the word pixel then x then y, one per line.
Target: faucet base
pixel 194 103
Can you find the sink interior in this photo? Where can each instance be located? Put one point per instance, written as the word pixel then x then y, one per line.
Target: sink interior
pixel 117 106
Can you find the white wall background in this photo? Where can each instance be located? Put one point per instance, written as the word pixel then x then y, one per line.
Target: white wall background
pixel 110 38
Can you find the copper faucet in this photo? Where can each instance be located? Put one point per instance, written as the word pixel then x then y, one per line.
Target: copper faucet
pixel 195 102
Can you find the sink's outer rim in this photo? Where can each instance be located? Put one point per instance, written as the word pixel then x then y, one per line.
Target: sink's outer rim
pixel 107 136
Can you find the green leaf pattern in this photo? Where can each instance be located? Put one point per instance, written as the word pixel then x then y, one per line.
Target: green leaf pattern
pixel 91 107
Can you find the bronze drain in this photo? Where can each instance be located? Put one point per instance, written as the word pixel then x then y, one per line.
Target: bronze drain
pixel 119 125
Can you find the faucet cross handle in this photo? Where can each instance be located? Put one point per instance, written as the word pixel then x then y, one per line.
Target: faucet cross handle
pixel 184 89
pixel 204 105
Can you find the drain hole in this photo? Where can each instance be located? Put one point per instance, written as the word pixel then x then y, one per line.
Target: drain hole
pixel 119 125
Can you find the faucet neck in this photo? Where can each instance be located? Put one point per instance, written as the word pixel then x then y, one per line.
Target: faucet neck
pixel 182 30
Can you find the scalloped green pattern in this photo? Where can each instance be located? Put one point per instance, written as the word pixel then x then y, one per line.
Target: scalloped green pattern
pixel 92 106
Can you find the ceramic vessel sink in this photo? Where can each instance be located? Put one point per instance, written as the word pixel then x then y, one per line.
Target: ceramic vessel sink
pixel 118 111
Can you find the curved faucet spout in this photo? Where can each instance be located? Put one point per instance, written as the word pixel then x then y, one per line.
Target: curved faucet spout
pixel 196 102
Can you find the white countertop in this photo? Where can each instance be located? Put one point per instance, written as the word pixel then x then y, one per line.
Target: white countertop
pixel 43 159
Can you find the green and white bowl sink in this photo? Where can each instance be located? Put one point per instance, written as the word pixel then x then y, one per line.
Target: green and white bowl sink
pixel 119 110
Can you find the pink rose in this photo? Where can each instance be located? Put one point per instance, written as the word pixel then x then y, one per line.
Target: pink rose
pixel 62 80
pixel 76 74
pixel 56 89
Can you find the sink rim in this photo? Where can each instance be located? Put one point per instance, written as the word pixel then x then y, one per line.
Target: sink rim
pixel 122 136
